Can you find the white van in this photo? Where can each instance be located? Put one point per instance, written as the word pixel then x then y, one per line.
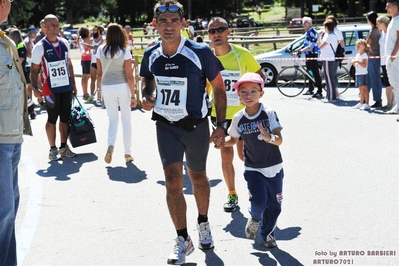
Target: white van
pixel 273 62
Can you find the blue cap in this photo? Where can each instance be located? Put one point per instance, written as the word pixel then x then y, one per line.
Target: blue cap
pixel 32 29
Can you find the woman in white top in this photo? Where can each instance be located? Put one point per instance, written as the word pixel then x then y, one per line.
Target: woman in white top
pixel 328 42
pixel 115 81
pixel 341 41
pixel 382 25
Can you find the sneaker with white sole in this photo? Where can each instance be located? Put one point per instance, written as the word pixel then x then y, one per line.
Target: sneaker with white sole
pixel 394 109
pixel 205 236
pixel 66 152
pixel 231 204
pixel 53 154
pixel 365 107
pixel 358 106
pixel 251 229
pixel 181 249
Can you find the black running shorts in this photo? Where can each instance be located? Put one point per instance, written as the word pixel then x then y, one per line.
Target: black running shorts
pixel 174 142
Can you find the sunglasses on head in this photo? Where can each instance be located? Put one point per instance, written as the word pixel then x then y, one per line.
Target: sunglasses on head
pixel 170 8
pixel 220 30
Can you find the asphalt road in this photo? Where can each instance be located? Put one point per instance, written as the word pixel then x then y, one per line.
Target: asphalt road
pixel 341 195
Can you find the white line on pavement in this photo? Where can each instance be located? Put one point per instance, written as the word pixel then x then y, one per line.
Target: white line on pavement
pixel 29 225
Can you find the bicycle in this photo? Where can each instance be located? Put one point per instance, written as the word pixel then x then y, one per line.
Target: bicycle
pixel 292 80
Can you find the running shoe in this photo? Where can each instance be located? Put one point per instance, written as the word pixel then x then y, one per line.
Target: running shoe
pixel 66 152
pixel 53 154
pixel 181 249
pixel 205 236
pixel 270 242
pixel 251 229
pixel 231 204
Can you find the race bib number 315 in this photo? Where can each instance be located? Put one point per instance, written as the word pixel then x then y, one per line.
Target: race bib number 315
pixel 58 74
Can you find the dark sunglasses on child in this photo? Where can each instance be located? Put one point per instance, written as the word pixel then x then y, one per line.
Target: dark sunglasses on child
pixel 220 30
pixel 170 8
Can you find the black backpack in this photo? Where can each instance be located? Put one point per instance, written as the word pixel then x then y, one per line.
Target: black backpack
pixel 340 53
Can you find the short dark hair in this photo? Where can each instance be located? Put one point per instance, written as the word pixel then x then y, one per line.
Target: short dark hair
pixel 394 2
pixel 372 17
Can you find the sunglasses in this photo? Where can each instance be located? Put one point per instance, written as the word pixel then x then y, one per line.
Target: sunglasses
pixel 219 30
pixel 170 8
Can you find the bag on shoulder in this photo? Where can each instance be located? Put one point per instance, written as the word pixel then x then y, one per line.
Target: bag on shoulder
pixel 340 52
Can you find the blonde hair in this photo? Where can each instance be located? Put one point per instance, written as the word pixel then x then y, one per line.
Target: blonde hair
pixel 364 43
pixel 383 19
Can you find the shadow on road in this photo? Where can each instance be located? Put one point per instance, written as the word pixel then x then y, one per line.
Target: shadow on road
pixel 62 168
pixel 129 174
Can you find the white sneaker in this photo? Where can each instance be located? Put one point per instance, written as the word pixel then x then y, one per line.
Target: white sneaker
pixel 251 229
pixel 365 107
pixel 205 236
pixel 181 249
pixel 394 109
pixel 358 105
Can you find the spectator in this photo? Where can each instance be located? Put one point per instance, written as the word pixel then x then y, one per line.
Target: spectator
pixel 311 53
pixel 328 45
pixel 117 87
pixel 16 36
pixel 360 64
pixel 10 143
pixel 382 25
pixel 391 50
pixel 96 41
pixel 84 37
pixel 341 41
pixel 130 40
pixel 374 64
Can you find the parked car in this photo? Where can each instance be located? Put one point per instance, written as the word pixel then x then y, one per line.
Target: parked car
pixel 295 26
pixel 273 62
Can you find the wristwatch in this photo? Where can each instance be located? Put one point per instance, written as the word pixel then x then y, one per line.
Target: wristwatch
pixel 272 138
pixel 34 88
pixel 222 124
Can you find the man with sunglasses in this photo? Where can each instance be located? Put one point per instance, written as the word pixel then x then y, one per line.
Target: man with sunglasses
pixel 236 61
pixel 311 51
pixel 177 69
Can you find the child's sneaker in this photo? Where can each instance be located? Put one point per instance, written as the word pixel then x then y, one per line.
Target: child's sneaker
pixel 270 242
pixel 181 249
pixel 251 229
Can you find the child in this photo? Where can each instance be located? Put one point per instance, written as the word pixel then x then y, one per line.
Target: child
pixel 260 129
pixel 360 64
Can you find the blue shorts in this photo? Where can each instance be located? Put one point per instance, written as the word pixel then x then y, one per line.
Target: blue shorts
pixel 362 80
